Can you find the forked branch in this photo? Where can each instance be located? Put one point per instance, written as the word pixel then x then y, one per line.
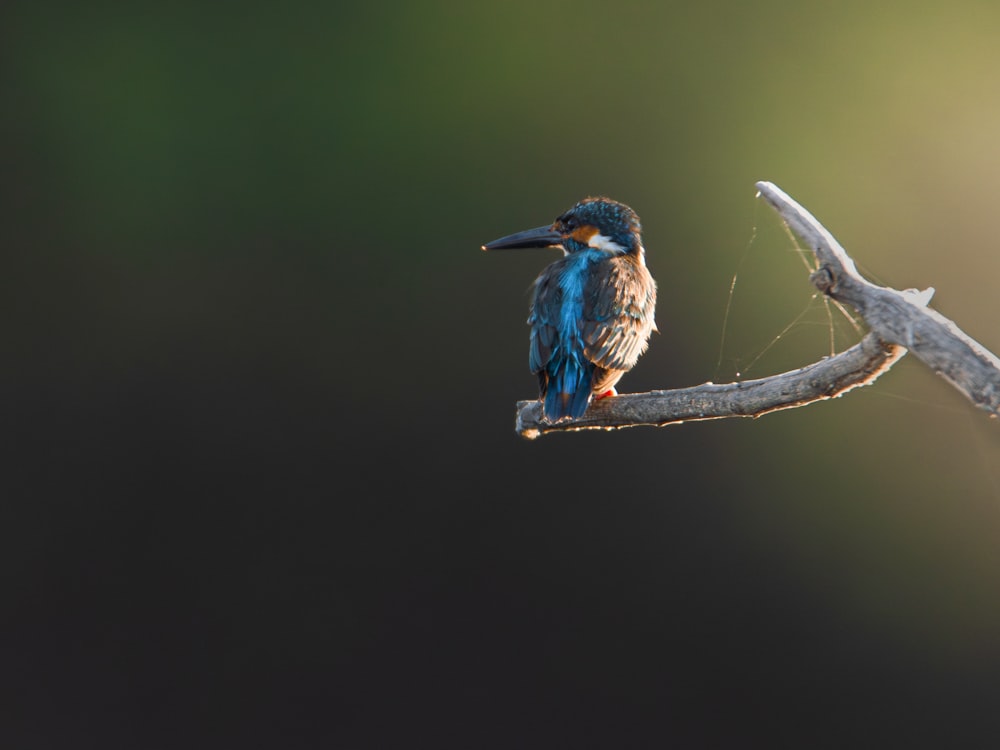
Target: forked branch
pixel 897 320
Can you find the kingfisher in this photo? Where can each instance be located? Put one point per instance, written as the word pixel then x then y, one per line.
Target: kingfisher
pixel 592 310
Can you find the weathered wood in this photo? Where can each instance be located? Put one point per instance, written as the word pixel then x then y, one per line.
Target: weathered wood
pixel 828 378
pixel 896 317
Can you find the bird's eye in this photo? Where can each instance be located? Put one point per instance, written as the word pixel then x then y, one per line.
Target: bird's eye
pixel 569 222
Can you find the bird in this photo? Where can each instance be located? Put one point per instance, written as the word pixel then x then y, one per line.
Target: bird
pixel 592 311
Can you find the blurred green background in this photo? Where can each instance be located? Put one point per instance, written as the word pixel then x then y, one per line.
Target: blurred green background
pixel 261 479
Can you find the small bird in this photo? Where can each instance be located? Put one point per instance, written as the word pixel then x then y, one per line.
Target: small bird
pixel 592 310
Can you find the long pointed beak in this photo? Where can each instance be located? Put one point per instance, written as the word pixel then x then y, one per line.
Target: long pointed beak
pixel 539 237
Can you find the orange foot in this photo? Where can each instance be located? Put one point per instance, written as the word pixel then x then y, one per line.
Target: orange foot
pixel 610 392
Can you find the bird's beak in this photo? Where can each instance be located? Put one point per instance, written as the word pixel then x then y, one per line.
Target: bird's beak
pixel 540 237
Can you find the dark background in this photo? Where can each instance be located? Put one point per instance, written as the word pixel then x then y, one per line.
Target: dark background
pixel 261 486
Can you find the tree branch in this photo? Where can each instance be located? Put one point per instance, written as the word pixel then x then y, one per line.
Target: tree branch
pixel 896 319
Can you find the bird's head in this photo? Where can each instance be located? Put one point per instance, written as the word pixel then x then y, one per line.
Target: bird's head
pixel 597 223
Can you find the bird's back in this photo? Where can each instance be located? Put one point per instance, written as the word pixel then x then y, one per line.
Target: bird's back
pixel 591 318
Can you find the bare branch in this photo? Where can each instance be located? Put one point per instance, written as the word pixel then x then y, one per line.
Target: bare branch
pixel 896 319
pixel 828 378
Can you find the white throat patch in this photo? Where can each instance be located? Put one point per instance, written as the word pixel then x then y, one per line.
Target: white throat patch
pixel 599 242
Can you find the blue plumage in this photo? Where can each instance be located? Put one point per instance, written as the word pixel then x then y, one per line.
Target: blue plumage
pixel 592 311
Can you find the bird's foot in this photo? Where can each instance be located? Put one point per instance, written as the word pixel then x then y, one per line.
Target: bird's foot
pixel 609 392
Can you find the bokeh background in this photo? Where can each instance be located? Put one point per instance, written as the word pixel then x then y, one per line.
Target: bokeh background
pixel 261 486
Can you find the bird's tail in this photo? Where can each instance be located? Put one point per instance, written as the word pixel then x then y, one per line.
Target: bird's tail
pixel 567 385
